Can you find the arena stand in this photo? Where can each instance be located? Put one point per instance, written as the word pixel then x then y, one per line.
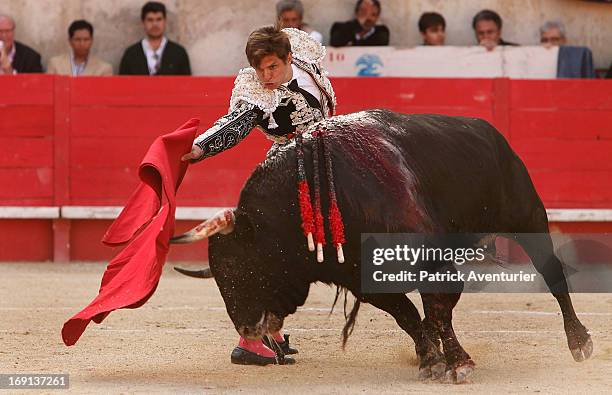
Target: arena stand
pixel 70 148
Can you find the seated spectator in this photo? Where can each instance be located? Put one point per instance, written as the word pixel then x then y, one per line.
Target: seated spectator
pixel 79 61
pixel 363 29
pixel 552 33
pixel 290 13
pixel 433 28
pixel 155 54
pixel 487 25
pixel 15 57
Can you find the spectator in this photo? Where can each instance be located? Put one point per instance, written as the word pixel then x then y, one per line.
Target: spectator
pixel 15 57
pixel 290 13
pixel 363 29
pixel 609 74
pixel 487 25
pixel 155 54
pixel 79 61
pixel 552 33
pixel 433 28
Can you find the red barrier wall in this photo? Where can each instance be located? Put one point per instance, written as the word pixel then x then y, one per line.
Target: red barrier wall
pixel 78 141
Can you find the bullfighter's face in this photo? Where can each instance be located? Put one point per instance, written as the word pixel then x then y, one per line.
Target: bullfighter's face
pixel 273 71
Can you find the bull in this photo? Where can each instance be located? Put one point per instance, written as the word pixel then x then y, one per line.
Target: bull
pixel 394 173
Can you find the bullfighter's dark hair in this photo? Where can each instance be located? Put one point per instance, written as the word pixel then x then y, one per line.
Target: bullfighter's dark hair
pixel 152 6
pixel 487 15
pixel 267 40
pixel 80 24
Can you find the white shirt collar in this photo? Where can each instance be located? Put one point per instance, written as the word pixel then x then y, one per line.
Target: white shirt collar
pixel 368 34
pixel 153 56
pixel 146 46
pixel 11 55
pixel 77 68
pixel 304 81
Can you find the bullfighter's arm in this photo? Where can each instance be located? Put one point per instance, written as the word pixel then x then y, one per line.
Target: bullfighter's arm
pixel 227 132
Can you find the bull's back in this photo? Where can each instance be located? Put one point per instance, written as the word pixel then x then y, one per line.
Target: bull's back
pixel 462 170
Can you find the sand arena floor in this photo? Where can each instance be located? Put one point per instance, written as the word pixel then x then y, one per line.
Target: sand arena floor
pixel 181 339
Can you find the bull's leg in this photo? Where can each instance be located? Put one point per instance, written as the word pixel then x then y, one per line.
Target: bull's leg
pixel 439 314
pixel 431 360
pixel 540 249
pixel 431 331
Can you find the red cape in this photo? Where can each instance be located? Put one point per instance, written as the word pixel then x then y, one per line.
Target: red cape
pixel 146 224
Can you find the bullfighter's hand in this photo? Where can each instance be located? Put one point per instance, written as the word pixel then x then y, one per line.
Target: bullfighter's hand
pixel 195 153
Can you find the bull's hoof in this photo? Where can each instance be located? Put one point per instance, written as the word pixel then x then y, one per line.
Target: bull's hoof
pixel 424 373
pixel 461 373
pixel 241 356
pixel 432 364
pixel 435 372
pixel 583 351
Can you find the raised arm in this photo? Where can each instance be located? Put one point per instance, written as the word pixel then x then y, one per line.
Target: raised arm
pixel 225 133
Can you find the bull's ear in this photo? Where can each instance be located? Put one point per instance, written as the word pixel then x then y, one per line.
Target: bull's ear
pixel 223 222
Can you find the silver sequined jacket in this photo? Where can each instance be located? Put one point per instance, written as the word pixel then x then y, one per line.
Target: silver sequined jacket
pixel 279 113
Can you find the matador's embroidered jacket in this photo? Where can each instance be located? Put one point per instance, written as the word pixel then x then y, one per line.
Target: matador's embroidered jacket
pixel 279 113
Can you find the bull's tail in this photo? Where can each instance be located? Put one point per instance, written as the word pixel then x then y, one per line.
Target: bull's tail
pixel 350 318
pixel 202 273
pixel 349 325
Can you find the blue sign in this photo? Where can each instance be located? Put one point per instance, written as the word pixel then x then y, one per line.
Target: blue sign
pixel 369 65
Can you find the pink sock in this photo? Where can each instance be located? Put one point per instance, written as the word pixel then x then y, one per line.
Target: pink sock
pixel 257 347
pixel 278 336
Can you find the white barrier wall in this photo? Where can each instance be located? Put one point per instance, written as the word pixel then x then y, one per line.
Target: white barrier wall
pixel 469 62
pixel 214 31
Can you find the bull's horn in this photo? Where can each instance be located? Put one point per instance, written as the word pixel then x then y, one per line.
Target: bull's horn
pixel 203 273
pixel 222 222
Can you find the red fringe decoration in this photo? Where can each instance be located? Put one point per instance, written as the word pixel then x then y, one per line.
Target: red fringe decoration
pixel 305 207
pixel 335 223
pixel 320 232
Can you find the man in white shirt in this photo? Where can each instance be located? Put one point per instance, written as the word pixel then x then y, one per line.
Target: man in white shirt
pixel 155 54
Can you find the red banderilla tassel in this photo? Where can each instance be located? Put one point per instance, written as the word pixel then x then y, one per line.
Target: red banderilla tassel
pixel 306 212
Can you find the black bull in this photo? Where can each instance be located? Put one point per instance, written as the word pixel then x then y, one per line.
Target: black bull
pixel 393 173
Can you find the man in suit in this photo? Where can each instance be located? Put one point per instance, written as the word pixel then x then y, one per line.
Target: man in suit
pixel 79 61
pixel 15 57
pixel 155 54
pixel 487 26
pixel 362 30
